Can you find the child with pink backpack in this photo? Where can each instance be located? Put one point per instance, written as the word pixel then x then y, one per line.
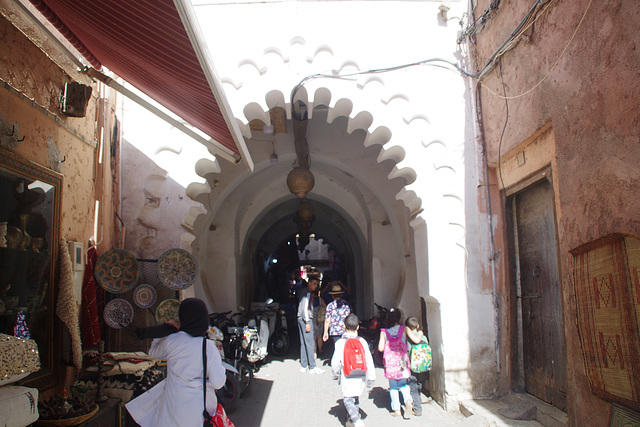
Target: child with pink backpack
pixel 393 345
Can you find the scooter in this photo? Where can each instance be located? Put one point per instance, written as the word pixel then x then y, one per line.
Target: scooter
pixel 229 394
pixel 256 334
pixel 279 344
pixel 232 353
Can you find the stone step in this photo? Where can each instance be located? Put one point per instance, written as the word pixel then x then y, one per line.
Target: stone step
pixel 514 410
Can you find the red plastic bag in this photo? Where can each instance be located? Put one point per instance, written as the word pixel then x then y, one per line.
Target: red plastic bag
pixel 220 419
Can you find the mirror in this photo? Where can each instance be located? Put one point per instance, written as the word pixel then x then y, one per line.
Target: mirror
pixel 29 215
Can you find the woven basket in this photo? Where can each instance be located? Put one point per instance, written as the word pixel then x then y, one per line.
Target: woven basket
pixel 69 421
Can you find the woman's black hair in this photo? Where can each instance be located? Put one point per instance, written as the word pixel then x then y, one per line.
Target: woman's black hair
pixel 393 317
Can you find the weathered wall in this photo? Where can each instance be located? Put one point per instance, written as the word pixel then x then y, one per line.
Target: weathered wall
pixel 36 83
pixel 591 100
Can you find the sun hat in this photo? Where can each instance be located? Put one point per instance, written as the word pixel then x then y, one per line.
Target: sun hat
pixel 336 290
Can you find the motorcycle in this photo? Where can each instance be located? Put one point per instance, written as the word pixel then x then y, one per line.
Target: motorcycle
pixel 279 343
pixel 229 394
pixel 257 332
pixel 370 331
pixel 230 344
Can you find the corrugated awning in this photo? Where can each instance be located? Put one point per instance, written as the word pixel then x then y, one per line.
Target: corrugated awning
pixel 145 43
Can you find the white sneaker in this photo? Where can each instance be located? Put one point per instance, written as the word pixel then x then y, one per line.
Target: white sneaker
pixel 316 370
pixel 359 423
pixel 303 370
pixel 349 424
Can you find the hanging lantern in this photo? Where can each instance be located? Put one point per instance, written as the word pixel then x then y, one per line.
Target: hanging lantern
pixel 305 210
pixel 300 181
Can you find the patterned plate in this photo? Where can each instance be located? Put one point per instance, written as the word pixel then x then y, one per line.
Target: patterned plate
pixel 117 271
pixel 177 269
pixel 144 296
pixel 167 310
pixel 118 313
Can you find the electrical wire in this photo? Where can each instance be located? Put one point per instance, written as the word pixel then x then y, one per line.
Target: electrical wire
pixel 432 61
pixel 555 64
pixel 515 36
pixel 506 101
pixel 480 22
pixel 539 8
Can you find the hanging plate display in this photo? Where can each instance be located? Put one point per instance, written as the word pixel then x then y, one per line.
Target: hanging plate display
pixel 144 296
pixel 118 313
pixel 177 269
pixel 117 271
pixel 167 310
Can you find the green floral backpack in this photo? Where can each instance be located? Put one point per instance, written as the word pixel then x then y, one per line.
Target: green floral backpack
pixel 420 356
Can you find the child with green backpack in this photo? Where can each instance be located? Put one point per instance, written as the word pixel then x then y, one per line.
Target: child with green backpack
pixel 419 360
pixel 393 345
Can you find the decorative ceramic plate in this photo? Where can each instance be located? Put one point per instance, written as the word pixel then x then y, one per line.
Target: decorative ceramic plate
pixel 118 313
pixel 144 296
pixel 167 310
pixel 117 271
pixel 177 269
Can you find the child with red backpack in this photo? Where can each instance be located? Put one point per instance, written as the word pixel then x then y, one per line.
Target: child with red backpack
pixel 393 345
pixel 352 365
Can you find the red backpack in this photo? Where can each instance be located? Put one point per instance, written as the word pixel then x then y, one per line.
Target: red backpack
pixel 354 363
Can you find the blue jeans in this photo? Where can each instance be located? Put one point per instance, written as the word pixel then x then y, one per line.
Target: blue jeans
pixel 395 388
pixel 307 346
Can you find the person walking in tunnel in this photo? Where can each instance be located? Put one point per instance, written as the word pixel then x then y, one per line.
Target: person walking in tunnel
pixel 337 311
pixel 416 338
pixel 393 344
pixel 305 326
pixel 352 365
pixel 319 310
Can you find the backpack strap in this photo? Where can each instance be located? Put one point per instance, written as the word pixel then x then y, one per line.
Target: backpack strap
pixel 400 331
pixel 387 333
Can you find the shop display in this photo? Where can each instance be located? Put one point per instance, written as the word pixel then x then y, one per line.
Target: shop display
pixel 144 296
pixel 118 313
pixel 167 310
pixel 177 269
pixel 117 271
pixel 18 358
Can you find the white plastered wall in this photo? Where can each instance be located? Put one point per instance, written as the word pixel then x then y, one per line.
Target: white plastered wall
pixel 437 242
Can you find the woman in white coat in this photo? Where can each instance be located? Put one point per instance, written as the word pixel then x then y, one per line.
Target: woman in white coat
pixel 178 399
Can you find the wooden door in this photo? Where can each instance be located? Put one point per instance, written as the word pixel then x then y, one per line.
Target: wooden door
pixel 544 354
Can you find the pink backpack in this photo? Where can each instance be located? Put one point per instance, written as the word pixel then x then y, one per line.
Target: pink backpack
pixel 396 357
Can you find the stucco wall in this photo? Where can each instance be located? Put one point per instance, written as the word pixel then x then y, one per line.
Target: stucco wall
pixel 591 101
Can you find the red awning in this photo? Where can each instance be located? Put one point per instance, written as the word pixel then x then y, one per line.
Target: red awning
pixel 145 43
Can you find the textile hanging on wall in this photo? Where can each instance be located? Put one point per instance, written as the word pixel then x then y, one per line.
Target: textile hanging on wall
pixel 607 291
pixel 66 307
pixel 90 321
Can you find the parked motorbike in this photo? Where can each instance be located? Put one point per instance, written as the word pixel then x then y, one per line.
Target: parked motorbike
pixel 279 343
pixel 370 331
pixel 229 394
pixel 257 333
pixel 230 341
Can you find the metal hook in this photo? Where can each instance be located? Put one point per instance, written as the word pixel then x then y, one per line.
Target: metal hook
pixel 13 130
pixel 63 159
pixel 21 139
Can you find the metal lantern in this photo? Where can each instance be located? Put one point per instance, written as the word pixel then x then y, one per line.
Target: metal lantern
pixel 300 181
pixel 305 210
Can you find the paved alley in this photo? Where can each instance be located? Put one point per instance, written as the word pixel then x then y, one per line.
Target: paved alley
pixel 281 395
